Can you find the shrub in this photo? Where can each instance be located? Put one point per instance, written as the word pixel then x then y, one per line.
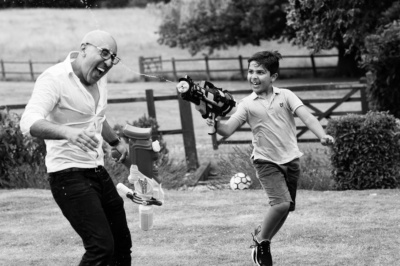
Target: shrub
pixel 21 157
pixel 366 151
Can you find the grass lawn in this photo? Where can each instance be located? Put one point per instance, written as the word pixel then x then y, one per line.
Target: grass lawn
pixel 212 227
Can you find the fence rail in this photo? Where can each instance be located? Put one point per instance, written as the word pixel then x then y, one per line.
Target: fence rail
pixel 169 67
pixel 28 70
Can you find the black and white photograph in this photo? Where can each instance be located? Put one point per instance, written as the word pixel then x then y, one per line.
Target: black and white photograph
pixel 199 133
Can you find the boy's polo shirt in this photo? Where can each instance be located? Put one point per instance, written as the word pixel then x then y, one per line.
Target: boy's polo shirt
pixel 59 97
pixel 272 124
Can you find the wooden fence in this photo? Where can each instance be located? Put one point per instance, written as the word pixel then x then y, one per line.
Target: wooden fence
pixel 26 68
pixel 169 68
pixel 186 117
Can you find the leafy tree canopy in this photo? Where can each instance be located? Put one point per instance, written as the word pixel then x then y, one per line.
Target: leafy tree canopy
pixel 198 25
pixel 335 23
pixel 315 24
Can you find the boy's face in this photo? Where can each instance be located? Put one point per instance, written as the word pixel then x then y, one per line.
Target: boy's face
pixel 260 78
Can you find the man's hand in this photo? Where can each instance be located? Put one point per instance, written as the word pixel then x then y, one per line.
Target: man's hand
pixel 327 140
pixel 84 138
pixel 121 150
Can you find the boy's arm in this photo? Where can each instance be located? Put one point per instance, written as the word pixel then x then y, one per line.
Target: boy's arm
pixel 313 124
pixel 224 128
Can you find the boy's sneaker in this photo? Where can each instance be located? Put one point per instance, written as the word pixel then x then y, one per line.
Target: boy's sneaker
pixel 261 253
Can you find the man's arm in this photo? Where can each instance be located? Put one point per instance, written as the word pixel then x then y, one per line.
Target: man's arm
pixel 115 142
pixel 108 133
pixel 44 98
pixel 82 138
pixel 313 124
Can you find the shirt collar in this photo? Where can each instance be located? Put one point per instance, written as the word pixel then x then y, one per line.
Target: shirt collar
pixel 275 90
pixel 68 61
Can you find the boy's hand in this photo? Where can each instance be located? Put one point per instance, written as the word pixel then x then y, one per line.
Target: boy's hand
pixel 211 122
pixel 327 140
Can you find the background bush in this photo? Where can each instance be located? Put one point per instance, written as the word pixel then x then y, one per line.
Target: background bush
pixel 21 157
pixel 366 153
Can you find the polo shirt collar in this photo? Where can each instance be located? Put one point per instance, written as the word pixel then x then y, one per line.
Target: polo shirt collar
pixel 275 90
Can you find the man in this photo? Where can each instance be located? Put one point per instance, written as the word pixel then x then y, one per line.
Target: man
pixel 67 110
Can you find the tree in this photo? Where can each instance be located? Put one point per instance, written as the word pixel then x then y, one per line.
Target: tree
pixel 315 24
pixel 341 24
pixel 382 58
pixel 198 25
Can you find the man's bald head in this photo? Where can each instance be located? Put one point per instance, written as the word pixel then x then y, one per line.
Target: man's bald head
pixel 100 38
pixel 97 56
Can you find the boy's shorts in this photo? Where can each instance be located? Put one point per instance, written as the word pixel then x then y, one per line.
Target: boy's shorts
pixel 279 181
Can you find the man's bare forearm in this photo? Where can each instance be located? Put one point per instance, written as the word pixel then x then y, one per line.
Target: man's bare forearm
pixel 108 133
pixel 47 130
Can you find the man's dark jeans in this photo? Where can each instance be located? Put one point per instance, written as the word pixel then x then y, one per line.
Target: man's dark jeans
pixel 91 203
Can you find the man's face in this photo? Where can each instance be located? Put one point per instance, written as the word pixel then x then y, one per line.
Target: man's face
pixel 260 79
pixel 94 66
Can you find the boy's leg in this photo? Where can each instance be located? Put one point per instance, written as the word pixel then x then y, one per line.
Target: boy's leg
pixel 280 184
pixel 281 192
pixel 274 220
pixel 273 181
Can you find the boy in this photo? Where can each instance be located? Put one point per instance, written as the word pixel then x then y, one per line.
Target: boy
pixel 270 113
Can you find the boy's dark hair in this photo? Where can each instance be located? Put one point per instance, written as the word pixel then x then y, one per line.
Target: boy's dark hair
pixel 268 59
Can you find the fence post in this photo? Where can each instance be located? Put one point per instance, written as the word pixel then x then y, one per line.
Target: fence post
pixel 141 68
pixel 31 70
pixel 364 102
pixel 3 70
pixel 189 140
pixel 314 69
pixel 241 67
pixel 174 69
pixel 214 141
pixel 207 68
pixel 151 110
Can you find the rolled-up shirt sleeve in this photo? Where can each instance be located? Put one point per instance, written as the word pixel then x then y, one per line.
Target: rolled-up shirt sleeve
pixel 44 97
